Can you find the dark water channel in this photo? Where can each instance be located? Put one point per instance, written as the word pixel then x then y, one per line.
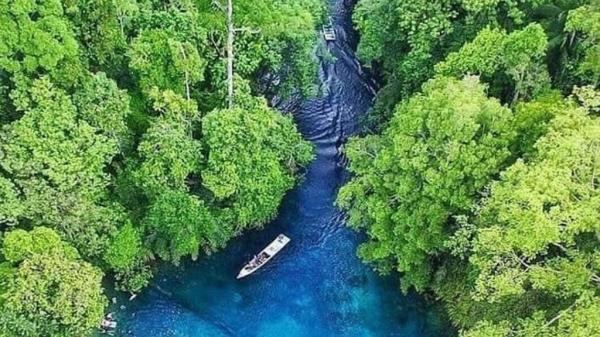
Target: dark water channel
pixel 316 286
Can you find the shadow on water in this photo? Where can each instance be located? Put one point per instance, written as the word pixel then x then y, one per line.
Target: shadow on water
pixel 316 286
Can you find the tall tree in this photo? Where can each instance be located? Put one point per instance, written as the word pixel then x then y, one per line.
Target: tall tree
pixel 403 40
pixel 495 55
pixel 105 107
pixel 99 29
pixel 168 62
pixel 127 256
pixel 169 154
pixel 181 225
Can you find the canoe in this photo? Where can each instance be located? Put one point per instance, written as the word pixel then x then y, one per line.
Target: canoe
pixel 329 34
pixel 328 31
pixel 264 256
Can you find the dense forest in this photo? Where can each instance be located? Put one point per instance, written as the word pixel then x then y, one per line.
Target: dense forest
pixel 479 178
pixel 118 148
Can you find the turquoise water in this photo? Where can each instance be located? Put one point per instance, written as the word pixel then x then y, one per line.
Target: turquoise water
pixel 316 286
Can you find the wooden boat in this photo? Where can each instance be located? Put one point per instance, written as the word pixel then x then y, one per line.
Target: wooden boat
pixel 329 32
pixel 264 256
pixel 108 324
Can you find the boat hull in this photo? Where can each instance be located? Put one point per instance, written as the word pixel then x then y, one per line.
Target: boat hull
pixel 264 256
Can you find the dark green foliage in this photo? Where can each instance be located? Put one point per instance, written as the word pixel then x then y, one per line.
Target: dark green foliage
pixel 168 152
pixel 405 39
pixel 583 21
pixel 495 55
pixel 277 42
pixel 126 255
pixel 180 225
pixel 100 28
pixel 532 118
pixel 104 106
pixel 161 61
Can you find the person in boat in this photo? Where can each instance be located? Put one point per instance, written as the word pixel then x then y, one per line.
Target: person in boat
pixel 254 262
pixel 263 257
pixel 257 260
pixel 108 324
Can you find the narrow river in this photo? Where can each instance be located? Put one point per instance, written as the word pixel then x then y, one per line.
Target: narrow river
pixel 316 286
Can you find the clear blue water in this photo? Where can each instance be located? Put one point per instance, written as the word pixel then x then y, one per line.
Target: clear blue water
pixel 316 286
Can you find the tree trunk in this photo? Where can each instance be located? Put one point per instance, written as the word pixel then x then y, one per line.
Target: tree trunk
pixel 187 80
pixel 230 55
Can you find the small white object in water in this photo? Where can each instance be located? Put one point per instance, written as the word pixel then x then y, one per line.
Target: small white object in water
pixel 264 256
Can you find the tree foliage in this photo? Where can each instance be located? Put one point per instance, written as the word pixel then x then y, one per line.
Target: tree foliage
pixel 440 150
pixel 50 292
pixel 126 254
pixel 105 107
pixel 407 38
pixel 111 143
pixel 518 56
pixel 253 155
pixel 168 152
pixel 159 60
pixel 541 209
pixel 181 225
pixel 584 20
pixel 507 239
pixel 56 162
pixel 536 236
pixel 36 39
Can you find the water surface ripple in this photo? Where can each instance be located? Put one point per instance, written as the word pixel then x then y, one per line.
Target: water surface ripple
pixel 316 286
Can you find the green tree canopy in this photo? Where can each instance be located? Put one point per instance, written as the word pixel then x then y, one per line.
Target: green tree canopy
pixel 536 235
pixel 253 154
pixel 181 225
pixel 407 38
pixel 518 55
pixel 37 39
pixel 440 150
pixel 100 29
pixel 584 20
pixel 275 43
pixel 540 206
pixel 102 140
pixel 161 60
pixel 50 292
pixel 127 255
pixel 104 106
pixel 168 152
pixel 57 164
